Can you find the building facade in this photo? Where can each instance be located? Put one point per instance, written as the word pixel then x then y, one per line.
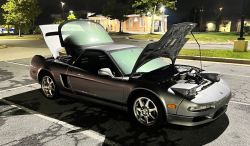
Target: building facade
pixel 134 23
pixel 227 25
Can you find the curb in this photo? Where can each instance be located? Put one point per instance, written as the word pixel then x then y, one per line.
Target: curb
pixel 216 59
pixel 189 42
pixel 21 39
pixel 212 59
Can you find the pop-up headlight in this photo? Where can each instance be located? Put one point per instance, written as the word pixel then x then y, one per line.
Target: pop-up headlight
pixel 213 76
pixel 200 108
pixel 187 90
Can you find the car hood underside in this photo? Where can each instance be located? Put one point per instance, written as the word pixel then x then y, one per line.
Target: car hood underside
pixel 168 46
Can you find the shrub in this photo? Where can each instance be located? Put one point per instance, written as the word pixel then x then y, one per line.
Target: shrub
pixel 246 30
pixel 37 30
pixel 26 30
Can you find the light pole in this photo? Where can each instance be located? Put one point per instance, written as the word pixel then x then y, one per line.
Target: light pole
pixel 242 21
pixel 62 8
pixel 162 9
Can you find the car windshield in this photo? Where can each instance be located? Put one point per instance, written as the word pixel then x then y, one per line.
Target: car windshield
pixel 84 33
pixel 126 59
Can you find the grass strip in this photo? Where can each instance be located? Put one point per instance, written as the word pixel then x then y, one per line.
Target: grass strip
pixel 40 37
pixel 206 37
pixel 221 53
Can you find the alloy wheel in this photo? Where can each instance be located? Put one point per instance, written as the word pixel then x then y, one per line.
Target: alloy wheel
pixel 145 111
pixel 48 86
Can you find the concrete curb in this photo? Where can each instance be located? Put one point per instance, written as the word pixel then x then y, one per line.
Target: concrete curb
pixel 189 42
pixel 212 59
pixel 216 59
pixel 21 39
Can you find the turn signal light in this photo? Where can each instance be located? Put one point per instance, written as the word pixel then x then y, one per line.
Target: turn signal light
pixel 171 106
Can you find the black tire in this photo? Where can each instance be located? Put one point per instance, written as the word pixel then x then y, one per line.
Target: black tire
pixel 49 94
pixel 159 114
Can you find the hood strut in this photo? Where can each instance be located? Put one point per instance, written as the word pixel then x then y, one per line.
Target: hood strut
pixel 199 49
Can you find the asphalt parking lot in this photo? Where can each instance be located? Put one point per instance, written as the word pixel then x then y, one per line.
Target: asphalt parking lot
pixel 27 118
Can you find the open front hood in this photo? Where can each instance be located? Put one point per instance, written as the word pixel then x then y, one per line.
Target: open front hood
pixel 74 35
pixel 168 46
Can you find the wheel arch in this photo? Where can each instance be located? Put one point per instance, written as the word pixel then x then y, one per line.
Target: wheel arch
pixel 143 90
pixel 41 72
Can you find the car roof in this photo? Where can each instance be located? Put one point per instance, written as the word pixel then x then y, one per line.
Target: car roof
pixel 111 47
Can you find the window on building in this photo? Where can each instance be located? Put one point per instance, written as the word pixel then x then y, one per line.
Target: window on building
pixel 141 22
pixel 131 22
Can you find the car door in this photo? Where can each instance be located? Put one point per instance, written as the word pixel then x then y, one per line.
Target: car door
pixel 84 78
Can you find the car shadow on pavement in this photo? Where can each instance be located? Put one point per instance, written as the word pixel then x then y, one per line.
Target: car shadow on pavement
pixel 115 124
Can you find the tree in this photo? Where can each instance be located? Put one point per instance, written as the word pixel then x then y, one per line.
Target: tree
pixel 145 6
pixel 18 12
pixel 58 21
pixel 116 10
pixel 72 16
pixel 33 10
pixel 219 11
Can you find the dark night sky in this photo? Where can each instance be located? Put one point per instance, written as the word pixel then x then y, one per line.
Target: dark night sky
pixel 183 6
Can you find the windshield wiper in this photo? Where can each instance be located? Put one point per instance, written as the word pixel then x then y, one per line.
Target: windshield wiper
pixel 138 73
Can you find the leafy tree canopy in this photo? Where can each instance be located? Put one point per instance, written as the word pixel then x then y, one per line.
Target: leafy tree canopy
pixel 145 6
pixel 20 12
pixel 72 16
pixel 116 10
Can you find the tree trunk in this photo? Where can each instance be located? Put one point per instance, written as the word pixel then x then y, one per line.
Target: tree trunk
pixel 19 31
pixel 8 29
pixel 152 21
pixel 120 26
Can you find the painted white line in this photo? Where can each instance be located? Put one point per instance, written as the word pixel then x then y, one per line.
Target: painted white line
pixel 216 62
pixel 18 87
pixel 236 75
pixel 240 103
pixel 89 133
pixel 16 63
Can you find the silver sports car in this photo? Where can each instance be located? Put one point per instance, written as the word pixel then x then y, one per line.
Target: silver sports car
pixel 145 82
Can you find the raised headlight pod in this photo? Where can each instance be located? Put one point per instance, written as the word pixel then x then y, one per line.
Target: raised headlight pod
pixel 188 90
pixel 213 76
pixel 200 108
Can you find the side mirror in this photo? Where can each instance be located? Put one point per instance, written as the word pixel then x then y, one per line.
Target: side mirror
pixel 105 72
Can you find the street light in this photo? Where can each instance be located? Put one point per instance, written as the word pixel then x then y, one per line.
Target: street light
pixel 62 7
pixel 70 12
pixel 162 10
pixel 221 8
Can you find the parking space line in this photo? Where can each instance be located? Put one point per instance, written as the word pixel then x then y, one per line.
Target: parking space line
pixel 16 63
pixel 236 75
pixel 90 133
pixel 240 103
pixel 18 87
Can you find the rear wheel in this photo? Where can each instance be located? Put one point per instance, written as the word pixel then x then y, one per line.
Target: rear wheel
pixel 49 87
pixel 147 111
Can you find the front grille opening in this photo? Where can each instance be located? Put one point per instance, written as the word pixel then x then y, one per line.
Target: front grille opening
pixel 220 111
pixel 199 119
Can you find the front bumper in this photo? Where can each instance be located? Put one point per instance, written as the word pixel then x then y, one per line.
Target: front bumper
pixel 201 117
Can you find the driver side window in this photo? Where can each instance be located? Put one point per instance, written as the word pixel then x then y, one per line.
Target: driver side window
pixel 94 60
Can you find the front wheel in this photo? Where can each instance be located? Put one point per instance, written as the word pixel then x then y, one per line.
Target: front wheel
pixel 49 87
pixel 147 111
